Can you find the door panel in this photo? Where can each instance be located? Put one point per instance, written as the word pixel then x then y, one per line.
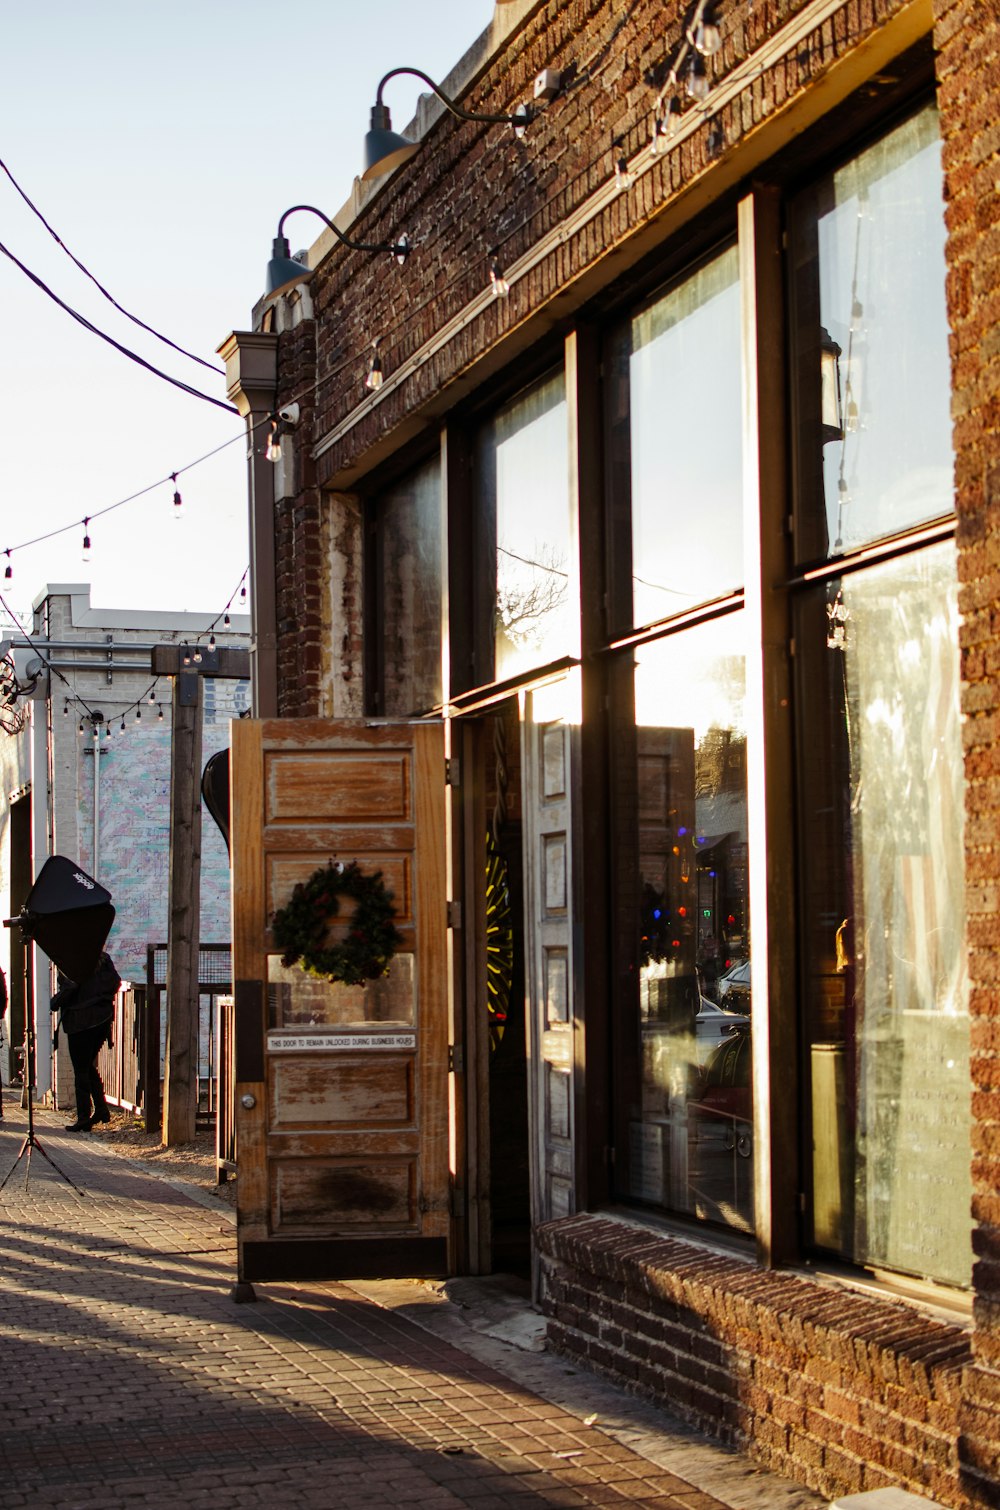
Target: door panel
pixel 546 770
pixel 342 1091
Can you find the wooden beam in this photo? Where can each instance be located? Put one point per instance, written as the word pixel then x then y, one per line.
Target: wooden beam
pixel 181 1077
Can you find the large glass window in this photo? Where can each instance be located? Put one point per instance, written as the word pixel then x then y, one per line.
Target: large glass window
pixel 690 1132
pixel 873 376
pixel 522 476
pixel 410 571
pixel 686 457
pixel 882 920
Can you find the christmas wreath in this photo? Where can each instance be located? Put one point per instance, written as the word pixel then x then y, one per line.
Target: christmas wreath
pixel 300 928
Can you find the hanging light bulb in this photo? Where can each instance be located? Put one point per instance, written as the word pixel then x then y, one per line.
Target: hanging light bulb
pixel 226 621
pixel 159 713
pixel 624 179
pixel 186 657
pixel 376 376
pixel 9 570
pixel 211 642
pixel 86 539
pixel 66 710
pixel 107 731
pixel 243 594
pixel 197 655
pixel 96 733
pixel 138 715
pixel 706 37
pixel 122 729
pixel 500 285
pixel 79 727
pixel 697 80
pixel 178 500
pixel 151 699
pixel 273 450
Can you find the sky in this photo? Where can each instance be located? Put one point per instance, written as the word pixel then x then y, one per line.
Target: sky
pixel 162 142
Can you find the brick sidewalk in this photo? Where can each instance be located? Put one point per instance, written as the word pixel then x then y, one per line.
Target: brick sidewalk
pixel 130 1378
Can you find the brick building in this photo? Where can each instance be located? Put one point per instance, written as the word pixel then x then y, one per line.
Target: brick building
pixel 88 776
pixel 660 473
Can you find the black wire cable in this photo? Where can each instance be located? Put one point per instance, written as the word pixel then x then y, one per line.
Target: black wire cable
pixel 94 330
pixel 99 286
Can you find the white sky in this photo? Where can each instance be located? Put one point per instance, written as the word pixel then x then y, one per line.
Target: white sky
pixel 132 127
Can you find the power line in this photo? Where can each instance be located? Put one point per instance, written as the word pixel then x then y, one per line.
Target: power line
pixel 125 351
pixel 99 286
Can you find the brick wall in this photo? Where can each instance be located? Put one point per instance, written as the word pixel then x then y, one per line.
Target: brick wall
pixel 842 1391
pixel 967 37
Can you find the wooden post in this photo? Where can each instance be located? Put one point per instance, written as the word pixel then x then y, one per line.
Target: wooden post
pixel 180 1091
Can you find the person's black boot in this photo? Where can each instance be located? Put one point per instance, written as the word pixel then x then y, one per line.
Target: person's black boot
pixel 79 1126
pixel 102 1113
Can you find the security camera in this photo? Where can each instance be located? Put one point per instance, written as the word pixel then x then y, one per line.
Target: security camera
pixel 289 415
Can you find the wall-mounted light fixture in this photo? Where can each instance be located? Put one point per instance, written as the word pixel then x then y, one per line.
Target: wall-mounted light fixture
pixel 386 150
pixel 283 271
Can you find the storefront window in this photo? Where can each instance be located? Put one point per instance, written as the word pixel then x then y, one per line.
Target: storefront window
pixel 409 580
pixel 881 799
pixel 686 455
pixel 690 1134
pixel 887 995
pixel 522 467
pixel 868 261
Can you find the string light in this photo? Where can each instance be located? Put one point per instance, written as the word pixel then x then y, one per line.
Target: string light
pixel 122 729
pixel 138 715
pixel 705 37
pixel 86 539
pixel 197 655
pixel 9 570
pixel 159 713
pixel 697 80
pixel 211 642
pixel 500 285
pixel 624 179
pixel 376 376
pixel 273 450
pixel 178 500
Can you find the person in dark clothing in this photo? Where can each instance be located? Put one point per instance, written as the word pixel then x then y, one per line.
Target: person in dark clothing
pixel 86 1011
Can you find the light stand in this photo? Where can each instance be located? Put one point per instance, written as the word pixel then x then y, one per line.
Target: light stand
pixel 24 922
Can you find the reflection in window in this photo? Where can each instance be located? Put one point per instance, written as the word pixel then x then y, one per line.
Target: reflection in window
pixel 873 381
pixel 409 576
pixel 686 452
pixel 691 1141
pixel 887 992
pixel 295 999
pixel 522 463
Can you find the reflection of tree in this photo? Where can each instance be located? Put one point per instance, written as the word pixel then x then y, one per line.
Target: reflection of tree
pixel 720 764
pixel 526 598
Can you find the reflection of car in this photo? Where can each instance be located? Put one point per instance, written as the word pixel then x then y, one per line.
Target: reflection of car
pixel 723 1094
pixel 712 1025
pixel 736 975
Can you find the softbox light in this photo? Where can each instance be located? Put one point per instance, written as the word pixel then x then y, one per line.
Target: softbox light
pixel 69 916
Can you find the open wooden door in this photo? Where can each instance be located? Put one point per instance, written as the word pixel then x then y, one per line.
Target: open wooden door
pixel 547 734
pixel 342 1091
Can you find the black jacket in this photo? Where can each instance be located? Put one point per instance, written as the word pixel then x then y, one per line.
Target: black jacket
pixel 91 1002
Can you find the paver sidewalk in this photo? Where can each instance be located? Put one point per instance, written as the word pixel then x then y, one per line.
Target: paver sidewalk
pixel 130 1378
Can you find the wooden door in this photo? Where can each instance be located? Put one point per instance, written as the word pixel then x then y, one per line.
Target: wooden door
pixel 341 1091
pixel 546 767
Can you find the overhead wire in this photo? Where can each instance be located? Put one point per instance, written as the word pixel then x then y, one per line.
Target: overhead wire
pixel 212 366
pixel 95 330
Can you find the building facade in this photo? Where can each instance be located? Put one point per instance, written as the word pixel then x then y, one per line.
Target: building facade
pixel 88 777
pixel 661 474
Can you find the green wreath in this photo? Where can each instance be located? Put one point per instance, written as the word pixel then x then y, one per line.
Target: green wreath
pixel 300 928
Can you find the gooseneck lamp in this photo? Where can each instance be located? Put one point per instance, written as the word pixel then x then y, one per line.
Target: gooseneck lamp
pixel 283 270
pixel 385 149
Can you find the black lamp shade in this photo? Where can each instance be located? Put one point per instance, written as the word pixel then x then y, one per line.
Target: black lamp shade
pixel 385 149
pixel 282 270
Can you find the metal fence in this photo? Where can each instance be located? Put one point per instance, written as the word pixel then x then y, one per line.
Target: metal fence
pixel 214 981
